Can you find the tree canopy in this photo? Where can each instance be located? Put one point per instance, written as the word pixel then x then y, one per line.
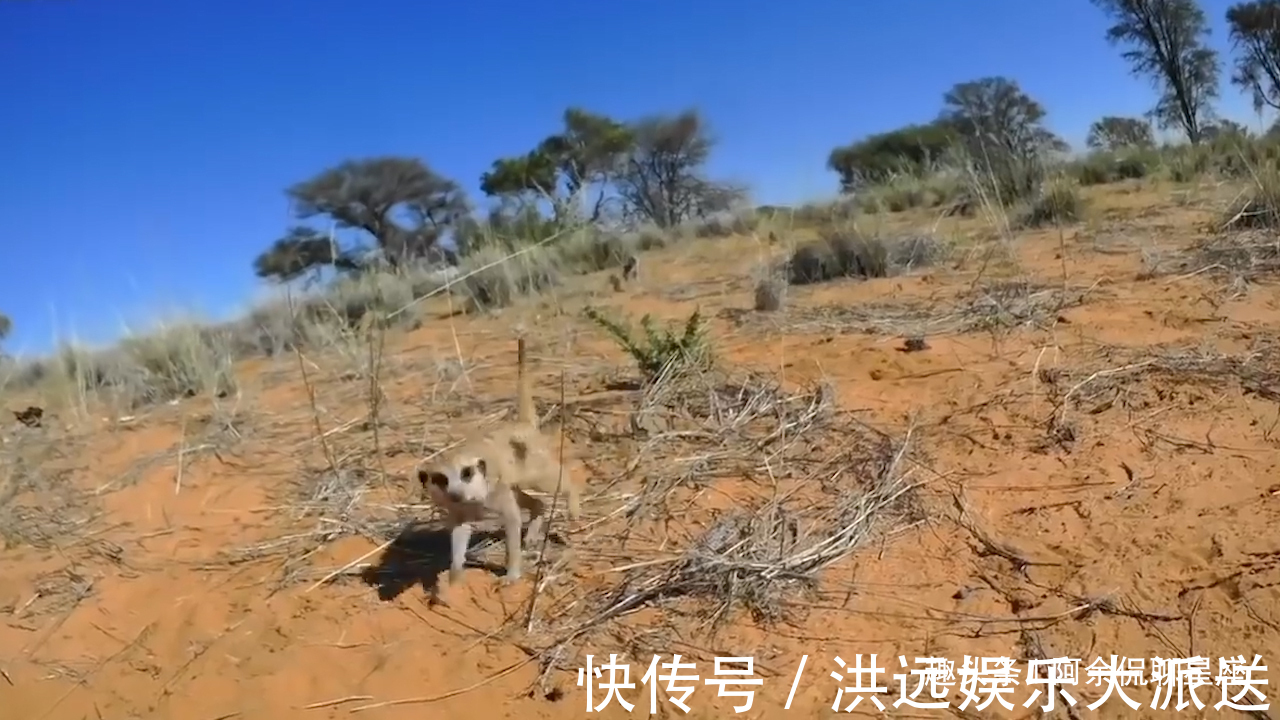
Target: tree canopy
pixel 1113 133
pixel 1254 30
pixel 300 252
pixel 663 180
pixel 365 194
pixel 589 150
pixel 653 166
pixel 875 158
pixel 993 113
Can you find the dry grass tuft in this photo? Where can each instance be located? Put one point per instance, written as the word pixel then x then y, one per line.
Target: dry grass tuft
pixel 839 255
pixel 326 506
pixel 1058 202
pixel 909 252
pixel 181 361
pixel 496 276
pixel 851 254
pixel 1258 207
pixel 769 294
pixel 1135 380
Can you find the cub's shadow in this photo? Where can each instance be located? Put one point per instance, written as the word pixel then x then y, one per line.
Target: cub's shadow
pixel 418 556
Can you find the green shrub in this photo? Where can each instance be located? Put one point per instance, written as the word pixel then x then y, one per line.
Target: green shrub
pixel 657 351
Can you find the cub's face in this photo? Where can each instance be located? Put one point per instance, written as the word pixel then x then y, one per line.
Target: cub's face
pixel 464 481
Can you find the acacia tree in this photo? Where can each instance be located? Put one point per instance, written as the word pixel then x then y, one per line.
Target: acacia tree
pixel 1166 44
pixel 1111 133
pixel 507 224
pixel 1254 29
pixel 877 157
pixel 6 326
pixel 304 251
pixel 588 151
pixel 1002 128
pixel 531 176
pixel 993 113
pixel 364 195
pixel 663 180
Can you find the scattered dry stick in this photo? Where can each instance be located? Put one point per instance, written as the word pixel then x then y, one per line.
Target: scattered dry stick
pixel 182 447
pixel 445 696
pixel 350 565
pixel 990 545
pixel 336 701
pixel 555 499
pixel 311 397
pixel 376 329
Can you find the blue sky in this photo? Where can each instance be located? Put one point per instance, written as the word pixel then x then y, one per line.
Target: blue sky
pixel 146 144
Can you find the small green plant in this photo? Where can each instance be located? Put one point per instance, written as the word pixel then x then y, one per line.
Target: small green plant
pixel 657 349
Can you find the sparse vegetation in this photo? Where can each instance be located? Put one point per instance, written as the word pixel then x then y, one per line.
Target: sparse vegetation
pixel 395 225
pixel 731 485
pixel 988 142
pixel 558 210
pixel 1104 167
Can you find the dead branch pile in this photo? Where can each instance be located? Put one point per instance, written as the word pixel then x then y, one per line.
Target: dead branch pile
pixel 809 486
pixel 813 486
pixel 40 505
pixel 1248 256
pixel 1107 381
pixel 994 306
pixel 338 502
pixel 1251 255
pixel 699 427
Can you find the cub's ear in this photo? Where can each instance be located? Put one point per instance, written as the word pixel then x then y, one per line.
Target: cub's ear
pixel 482 467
